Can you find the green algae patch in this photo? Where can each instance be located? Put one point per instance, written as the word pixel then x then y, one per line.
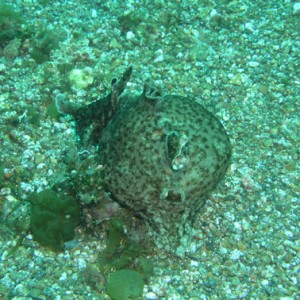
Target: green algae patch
pixel 125 284
pixel 1 175
pixel 123 252
pixel 10 24
pixel 47 41
pixel 53 218
pixel 120 251
pixel 52 111
pixel 145 267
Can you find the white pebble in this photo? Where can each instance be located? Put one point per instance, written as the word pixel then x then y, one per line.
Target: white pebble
pixel 151 296
pixel 159 55
pixel 40 166
pixel 94 13
pixel 26 187
pixel 81 264
pixel 296 8
pixel 236 254
pixel 130 35
pixel 245 225
pixel 253 64
pixel 223 251
pixel 63 276
pixel 237 225
pixel 168 279
pixel 2 67
pixel 289 234
pixel 213 13
pixel 249 26
pixel 265 282
pixel 5 191
pixel 194 263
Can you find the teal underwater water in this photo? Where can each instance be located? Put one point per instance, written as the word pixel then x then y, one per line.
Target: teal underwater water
pixel 211 212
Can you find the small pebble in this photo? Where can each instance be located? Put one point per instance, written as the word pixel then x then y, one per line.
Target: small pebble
pixel 151 296
pixel 296 8
pixel 130 35
pixel 253 64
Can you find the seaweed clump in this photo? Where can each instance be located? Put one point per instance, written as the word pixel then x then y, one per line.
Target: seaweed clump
pixel 47 41
pixel 123 252
pixel 53 218
pixel 10 24
pixel 128 259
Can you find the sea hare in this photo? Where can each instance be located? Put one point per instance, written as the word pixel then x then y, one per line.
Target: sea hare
pixel 162 155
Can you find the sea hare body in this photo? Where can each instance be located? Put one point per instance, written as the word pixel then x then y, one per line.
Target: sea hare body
pixel 162 156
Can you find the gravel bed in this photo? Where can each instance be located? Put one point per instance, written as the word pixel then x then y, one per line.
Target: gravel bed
pixel 240 59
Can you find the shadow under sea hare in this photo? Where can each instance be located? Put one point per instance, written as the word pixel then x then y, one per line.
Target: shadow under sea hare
pixel 162 155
